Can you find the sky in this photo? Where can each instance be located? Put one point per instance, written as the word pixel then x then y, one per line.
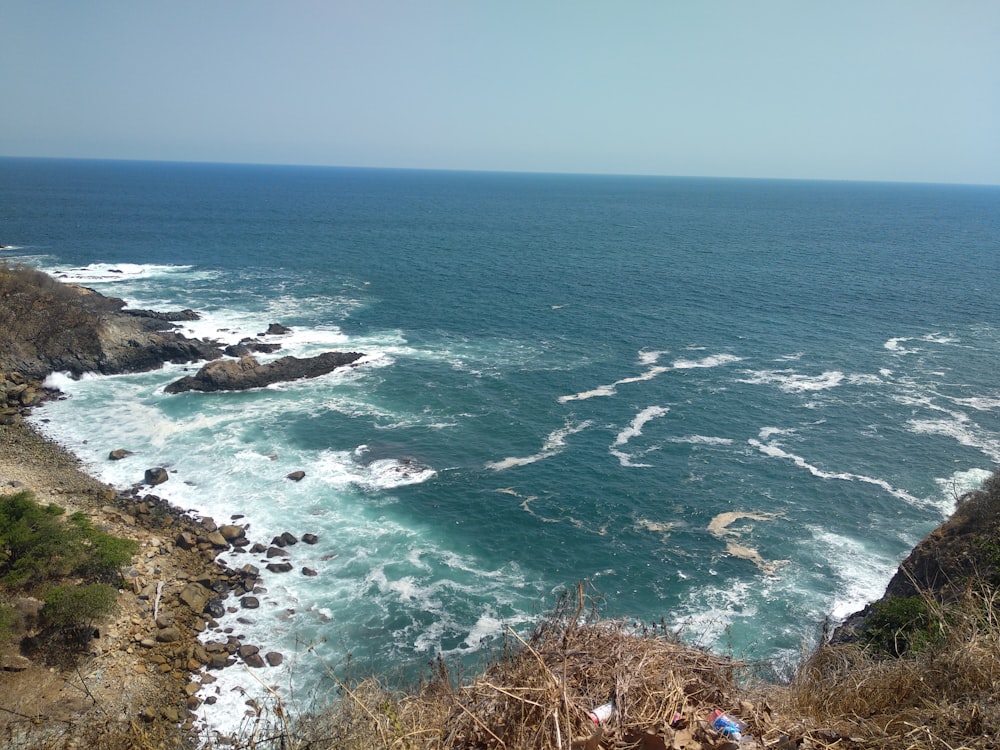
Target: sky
pixel 896 90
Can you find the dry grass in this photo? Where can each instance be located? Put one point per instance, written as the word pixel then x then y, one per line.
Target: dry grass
pixel 943 697
pixel 538 692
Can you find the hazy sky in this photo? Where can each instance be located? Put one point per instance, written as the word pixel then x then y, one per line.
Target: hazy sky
pixel 853 89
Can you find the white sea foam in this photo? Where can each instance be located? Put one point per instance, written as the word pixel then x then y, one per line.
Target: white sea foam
pixel 701 440
pixel 633 430
pixel 707 613
pixel 774 450
pixel 716 360
pixel 962 430
pixel 113 273
pixel 388 473
pixel 554 444
pixel 953 487
pixel 861 572
pixel 649 359
pixel 979 403
pixel 790 381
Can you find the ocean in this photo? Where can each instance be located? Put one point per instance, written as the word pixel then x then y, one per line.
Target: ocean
pixel 729 405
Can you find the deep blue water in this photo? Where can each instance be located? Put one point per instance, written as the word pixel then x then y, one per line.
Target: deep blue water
pixel 568 378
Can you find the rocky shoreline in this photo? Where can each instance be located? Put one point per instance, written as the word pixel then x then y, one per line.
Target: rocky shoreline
pixel 153 661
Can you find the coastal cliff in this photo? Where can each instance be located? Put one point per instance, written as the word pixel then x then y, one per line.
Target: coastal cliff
pixel 47 326
pixel 569 666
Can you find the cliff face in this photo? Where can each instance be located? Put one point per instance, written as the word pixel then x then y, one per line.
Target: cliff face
pixel 962 550
pixel 47 326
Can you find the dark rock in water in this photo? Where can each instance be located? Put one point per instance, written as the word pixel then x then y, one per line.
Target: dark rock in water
pixel 118 454
pixel 165 316
pixel 310 538
pixel 249 346
pixel 246 373
pixel 254 660
pixel 288 539
pixel 274 659
pixel 215 608
pixel 296 476
pixel 309 572
pixel 276 552
pixel 257 548
pixel 156 475
pixel 250 602
pixel 275 329
pixel 282 567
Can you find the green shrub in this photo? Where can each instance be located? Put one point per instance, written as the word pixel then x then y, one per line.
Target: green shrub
pixel 72 607
pixel 8 619
pixel 37 545
pixel 901 624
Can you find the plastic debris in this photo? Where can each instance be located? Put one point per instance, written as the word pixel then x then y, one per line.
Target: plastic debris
pixel 726 725
pixel 602 713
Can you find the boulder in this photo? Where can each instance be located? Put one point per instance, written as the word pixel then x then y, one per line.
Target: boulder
pixel 282 567
pixel 118 454
pixel 168 634
pixel 288 539
pixel 247 372
pixel 217 540
pixel 247 650
pixel 276 552
pixel 274 658
pixel 156 475
pixel 249 346
pixel 310 538
pixel 14 663
pixel 296 476
pixel 231 532
pixel 195 596
pixel 250 602
pixel 254 660
pixel 309 572
pixel 275 329
pixel 185 540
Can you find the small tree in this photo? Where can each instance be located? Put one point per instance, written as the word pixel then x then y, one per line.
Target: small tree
pixel 75 610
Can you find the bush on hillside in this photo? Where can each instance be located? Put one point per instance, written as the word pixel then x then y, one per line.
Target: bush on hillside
pixel 37 545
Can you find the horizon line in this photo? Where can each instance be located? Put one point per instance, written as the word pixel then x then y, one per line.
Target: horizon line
pixel 539 172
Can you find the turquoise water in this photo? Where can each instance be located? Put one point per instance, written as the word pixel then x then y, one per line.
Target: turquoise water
pixel 567 378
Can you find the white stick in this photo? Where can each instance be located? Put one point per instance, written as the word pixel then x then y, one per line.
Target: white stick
pixel 156 601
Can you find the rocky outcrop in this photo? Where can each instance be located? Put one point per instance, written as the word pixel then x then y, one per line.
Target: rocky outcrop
pixel 963 549
pixel 48 326
pixel 249 346
pixel 247 372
